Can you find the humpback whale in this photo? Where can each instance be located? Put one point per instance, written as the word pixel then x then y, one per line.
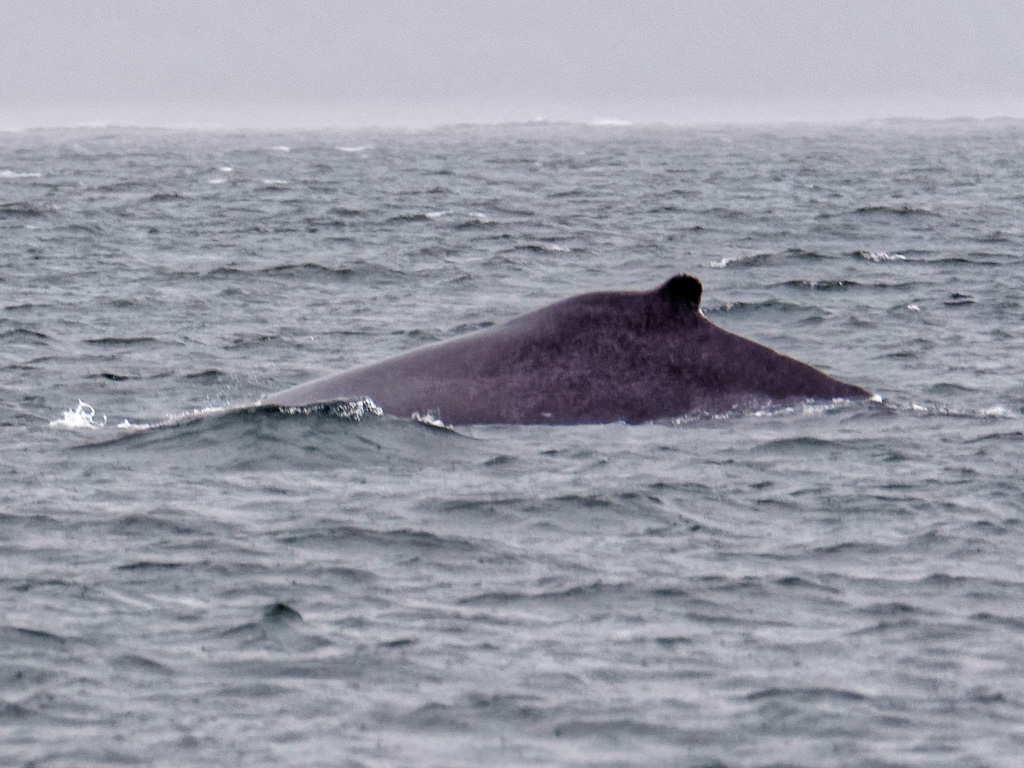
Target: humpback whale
pixel 630 356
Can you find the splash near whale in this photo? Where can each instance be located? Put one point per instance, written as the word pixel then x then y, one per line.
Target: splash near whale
pixel 593 358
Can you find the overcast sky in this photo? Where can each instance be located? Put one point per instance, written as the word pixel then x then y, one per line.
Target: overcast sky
pixel 266 63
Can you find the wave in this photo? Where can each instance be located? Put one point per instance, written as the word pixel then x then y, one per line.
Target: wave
pixel 757 259
pixel 124 340
pixel 83 416
pixel 328 435
pixel 21 210
pixel 879 256
pixel 357 268
pixel 751 260
pixel 893 210
pixel 750 307
pixel 820 285
pixel 24 335
pixel 308 268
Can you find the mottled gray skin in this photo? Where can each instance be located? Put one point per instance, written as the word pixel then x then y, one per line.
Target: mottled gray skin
pixel 598 357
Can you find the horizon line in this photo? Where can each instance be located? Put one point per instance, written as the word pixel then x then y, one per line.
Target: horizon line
pixel 429 125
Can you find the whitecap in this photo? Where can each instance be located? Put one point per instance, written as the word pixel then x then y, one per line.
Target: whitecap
pixel 7 174
pixel 430 420
pixel 879 256
pixel 999 412
pixel 361 148
pixel 553 247
pixel 82 416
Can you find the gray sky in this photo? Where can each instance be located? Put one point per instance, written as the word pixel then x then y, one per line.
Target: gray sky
pixel 266 63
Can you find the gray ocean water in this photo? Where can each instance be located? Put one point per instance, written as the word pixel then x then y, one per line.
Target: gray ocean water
pixel 821 585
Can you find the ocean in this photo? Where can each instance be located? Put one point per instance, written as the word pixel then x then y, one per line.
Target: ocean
pixel 186 579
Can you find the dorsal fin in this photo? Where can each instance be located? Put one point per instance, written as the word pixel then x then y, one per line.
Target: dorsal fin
pixel 682 291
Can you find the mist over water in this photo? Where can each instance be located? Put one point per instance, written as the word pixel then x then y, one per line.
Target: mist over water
pixel 189 579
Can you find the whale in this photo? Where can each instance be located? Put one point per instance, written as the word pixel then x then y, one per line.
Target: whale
pixel 610 356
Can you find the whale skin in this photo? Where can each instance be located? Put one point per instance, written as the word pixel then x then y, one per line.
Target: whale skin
pixel 631 356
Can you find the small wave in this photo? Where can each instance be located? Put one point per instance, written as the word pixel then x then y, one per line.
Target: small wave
pixel 800 253
pixel 411 217
pixel 340 210
pixel 474 219
pixel 542 247
pixel 751 260
pixel 893 210
pixel 214 417
pixel 990 413
pixel 768 409
pixel 24 333
pixel 209 373
pixel 1015 436
pixel 958 300
pixel 126 340
pixel 309 267
pixel 355 150
pixel 8 174
pixel 807 694
pixel 764 258
pixel 20 210
pixel 880 256
pixel 822 285
pixel 747 307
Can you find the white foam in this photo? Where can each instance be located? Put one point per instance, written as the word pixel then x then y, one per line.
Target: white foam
pixel 999 412
pixel 355 410
pixel 282 149
pixel 6 174
pixel 436 214
pixel 361 148
pixel 82 416
pixel 128 425
pixel 879 256
pixel 275 182
pixel 430 420
pixel 358 410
